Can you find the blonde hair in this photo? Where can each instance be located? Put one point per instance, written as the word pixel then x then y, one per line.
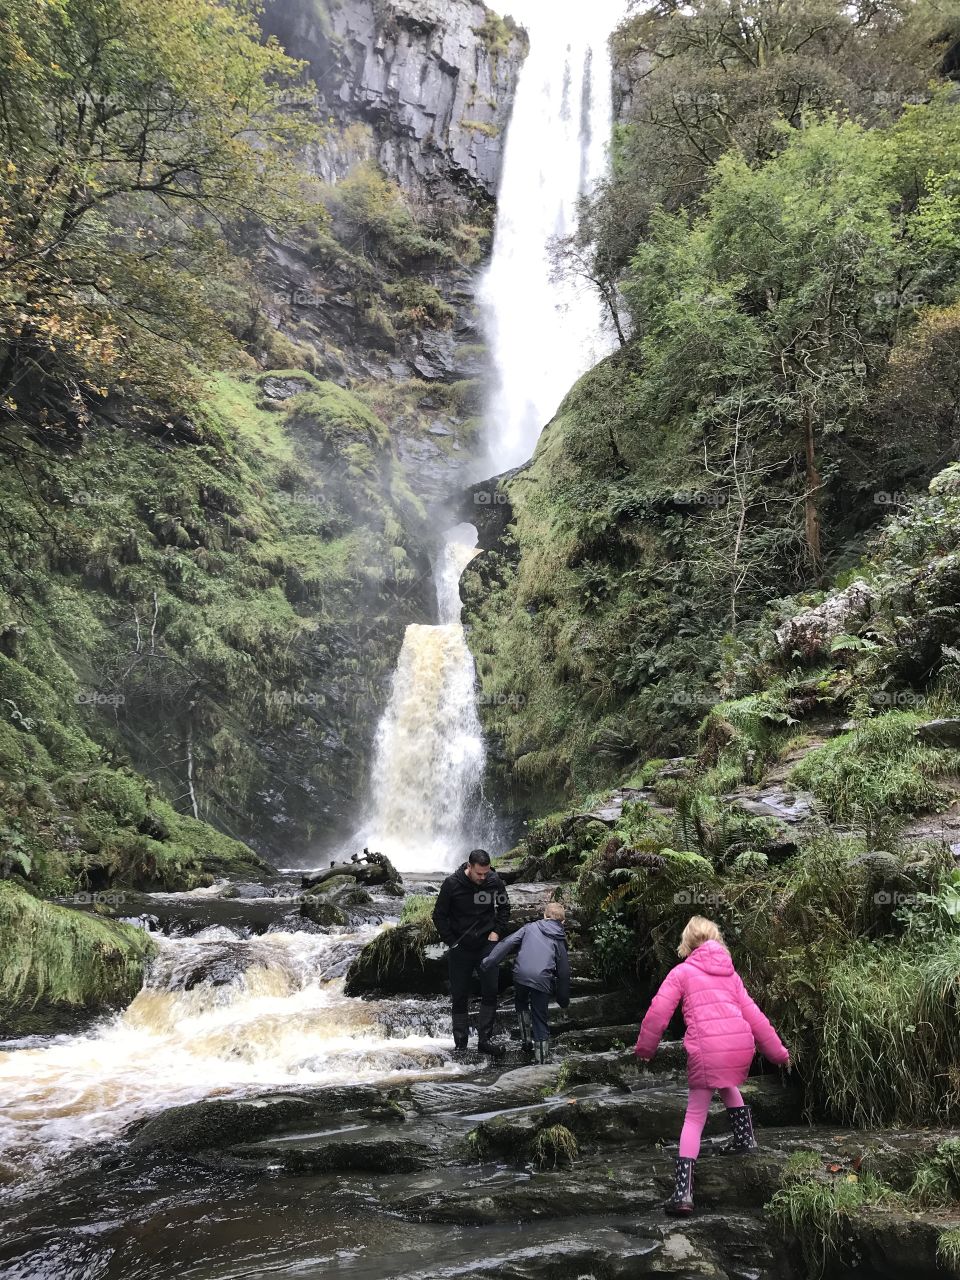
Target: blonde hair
pixel 699 929
pixel 554 911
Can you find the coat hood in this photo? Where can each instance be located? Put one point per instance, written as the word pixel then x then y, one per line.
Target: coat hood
pixel 712 958
pixel 552 928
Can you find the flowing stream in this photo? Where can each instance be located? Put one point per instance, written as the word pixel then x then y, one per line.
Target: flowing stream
pixel 220 1015
pixel 546 332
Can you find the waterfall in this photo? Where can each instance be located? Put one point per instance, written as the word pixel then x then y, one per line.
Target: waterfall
pixel 545 334
pixel 429 753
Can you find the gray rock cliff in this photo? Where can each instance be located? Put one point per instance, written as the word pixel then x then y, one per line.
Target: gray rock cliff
pixel 435 79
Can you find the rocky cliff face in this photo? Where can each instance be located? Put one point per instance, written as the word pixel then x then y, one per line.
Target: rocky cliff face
pixel 434 78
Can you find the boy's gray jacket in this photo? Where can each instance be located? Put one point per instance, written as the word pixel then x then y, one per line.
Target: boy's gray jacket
pixel 543 963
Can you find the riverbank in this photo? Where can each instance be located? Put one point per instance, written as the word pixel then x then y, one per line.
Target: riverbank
pixel 283 1126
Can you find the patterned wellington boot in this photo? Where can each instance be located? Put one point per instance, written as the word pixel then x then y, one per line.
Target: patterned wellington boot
pixel 681 1202
pixel 542 1049
pixel 741 1126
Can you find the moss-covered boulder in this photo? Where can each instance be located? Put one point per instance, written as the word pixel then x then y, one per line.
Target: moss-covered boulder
pixel 399 960
pixel 60 965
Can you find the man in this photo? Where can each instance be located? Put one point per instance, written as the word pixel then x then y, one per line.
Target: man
pixel 471 913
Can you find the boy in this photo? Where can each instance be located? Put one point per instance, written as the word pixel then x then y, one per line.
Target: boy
pixel 542 968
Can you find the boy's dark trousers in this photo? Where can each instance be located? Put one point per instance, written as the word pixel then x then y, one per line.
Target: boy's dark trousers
pixel 537 1002
pixel 464 963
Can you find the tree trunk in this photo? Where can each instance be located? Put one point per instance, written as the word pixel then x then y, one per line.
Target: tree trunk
pixel 811 495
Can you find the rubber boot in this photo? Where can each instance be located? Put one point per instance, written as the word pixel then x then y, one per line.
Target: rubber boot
pixel 741 1126
pixel 526 1030
pixel 485 1025
pixel 681 1202
pixel 542 1050
pixel 461 1031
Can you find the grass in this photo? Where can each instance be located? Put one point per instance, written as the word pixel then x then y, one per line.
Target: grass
pixel 877 770
pixel 55 956
pixel 936 1180
pixel 417 909
pixel 555 1146
pixel 813 1213
pixel 868 1019
pixel 948 1250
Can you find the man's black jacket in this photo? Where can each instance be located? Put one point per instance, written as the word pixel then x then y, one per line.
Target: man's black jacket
pixel 466 912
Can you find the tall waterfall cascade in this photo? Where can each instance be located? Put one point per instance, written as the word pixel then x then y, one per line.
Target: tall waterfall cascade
pixel 429 755
pixel 545 333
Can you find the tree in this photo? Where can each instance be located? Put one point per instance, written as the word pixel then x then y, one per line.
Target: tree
pixel 136 135
pixel 787 289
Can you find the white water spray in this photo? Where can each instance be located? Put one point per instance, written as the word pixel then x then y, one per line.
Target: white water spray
pixel 544 333
pixel 429 756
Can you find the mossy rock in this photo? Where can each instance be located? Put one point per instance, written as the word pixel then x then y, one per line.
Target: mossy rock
pixel 397 962
pixel 60 964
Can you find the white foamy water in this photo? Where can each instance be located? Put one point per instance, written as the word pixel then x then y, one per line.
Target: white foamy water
pixel 279 1019
pixel 545 334
pixel 429 756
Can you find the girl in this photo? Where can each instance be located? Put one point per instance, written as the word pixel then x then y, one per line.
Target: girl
pixel 724 1029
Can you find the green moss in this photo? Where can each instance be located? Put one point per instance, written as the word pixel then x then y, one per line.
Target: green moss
pixel 481 126
pixel 61 959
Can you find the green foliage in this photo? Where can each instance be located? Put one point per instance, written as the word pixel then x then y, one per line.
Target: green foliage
pixel 203 599
pixel 555 1146
pixel 948 1250
pixel 115 113
pixel 813 1213
pixel 936 1180
pixel 417 909
pixel 55 957
pixel 877 770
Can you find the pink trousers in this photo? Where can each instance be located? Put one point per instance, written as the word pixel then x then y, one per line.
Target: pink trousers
pixel 698 1104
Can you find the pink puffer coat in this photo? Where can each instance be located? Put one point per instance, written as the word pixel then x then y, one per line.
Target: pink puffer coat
pixel 724 1026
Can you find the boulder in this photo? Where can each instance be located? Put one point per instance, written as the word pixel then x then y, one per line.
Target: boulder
pixel 940 733
pixel 400 960
pixel 809 633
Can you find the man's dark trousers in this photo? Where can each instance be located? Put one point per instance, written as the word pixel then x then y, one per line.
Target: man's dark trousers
pixel 464 962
